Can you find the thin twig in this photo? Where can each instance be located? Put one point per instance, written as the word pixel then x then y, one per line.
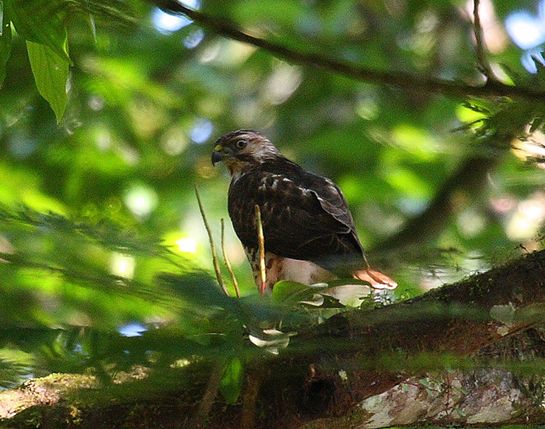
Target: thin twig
pixel 212 247
pixel 480 46
pixel 261 250
pixel 227 261
pixel 401 80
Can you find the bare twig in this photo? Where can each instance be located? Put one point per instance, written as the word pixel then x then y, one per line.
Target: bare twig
pixel 480 46
pixel 227 261
pixel 401 80
pixel 212 247
pixel 261 250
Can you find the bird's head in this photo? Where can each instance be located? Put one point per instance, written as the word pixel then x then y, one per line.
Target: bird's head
pixel 242 150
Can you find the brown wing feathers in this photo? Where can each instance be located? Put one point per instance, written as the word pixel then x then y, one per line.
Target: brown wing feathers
pixel 304 216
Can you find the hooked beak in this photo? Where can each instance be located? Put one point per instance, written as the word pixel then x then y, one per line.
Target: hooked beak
pixel 218 154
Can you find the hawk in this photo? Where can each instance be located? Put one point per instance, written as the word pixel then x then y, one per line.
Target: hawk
pixel 308 229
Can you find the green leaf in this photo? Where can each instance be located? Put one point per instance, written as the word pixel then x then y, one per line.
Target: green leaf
pixel 231 380
pixel 51 75
pixel 5 41
pixel 40 22
pixel 288 292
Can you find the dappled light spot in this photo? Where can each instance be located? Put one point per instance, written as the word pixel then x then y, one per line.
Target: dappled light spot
pixel 6 247
pixel 22 146
pixel 503 204
pixel 205 169
pixel 527 31
pixel 132 329
pixel 167 23
pixel 471 222
pixel 226 53
pixel 193 39
pixel 415 140
pixel 494 35
pixel 147 117
pixel 201 131
pixel 174 141
pixel 141 199
pixel 527 218
pixel 187 244
pixel 532 58
pixel 282 83
pixel 408 182
pixel 412 206
pixel 367 108
pixel 531 148
pixel 122 265
pixel 96 102
pixel 433 279
pixel 209 53
pixel 103 139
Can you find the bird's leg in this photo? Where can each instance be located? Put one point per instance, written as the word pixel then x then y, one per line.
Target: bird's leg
pixel 271 273
pixel 376 279
pixel 262 287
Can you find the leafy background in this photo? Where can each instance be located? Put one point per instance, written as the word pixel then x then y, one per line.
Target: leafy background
pixel 109 111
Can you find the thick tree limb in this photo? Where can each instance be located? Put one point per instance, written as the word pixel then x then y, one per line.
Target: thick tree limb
pixel 400 80
pixel 464 186
pixel 327 373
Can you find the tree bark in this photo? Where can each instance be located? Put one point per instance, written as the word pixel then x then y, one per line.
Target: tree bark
pixel 364 369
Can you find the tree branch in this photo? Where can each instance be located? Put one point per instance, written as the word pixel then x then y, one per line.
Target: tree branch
pixel 405 81
pixel 461 188
pixel 327 373
pixel 480 48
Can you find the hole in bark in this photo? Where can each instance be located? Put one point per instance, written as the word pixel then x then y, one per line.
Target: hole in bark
pixel 318 395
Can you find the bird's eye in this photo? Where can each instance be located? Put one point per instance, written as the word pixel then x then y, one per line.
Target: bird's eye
pixel 240 144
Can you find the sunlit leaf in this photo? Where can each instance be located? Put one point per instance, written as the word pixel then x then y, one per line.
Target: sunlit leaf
pixel 51 76
pixel 231 380
pixel 40 22
pixel 288 292
pixel 348 294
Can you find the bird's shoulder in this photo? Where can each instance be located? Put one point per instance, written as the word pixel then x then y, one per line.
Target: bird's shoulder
pixel 287 183
pixel 282 175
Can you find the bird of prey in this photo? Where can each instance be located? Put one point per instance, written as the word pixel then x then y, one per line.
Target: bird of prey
pixel 308 229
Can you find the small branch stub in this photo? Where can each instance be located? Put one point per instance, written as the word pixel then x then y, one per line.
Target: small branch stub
pixel 261 251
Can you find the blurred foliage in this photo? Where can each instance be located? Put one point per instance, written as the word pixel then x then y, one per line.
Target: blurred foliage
pixel 108 112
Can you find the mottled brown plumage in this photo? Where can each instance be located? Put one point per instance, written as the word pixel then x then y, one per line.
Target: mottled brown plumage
pixel 309 231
